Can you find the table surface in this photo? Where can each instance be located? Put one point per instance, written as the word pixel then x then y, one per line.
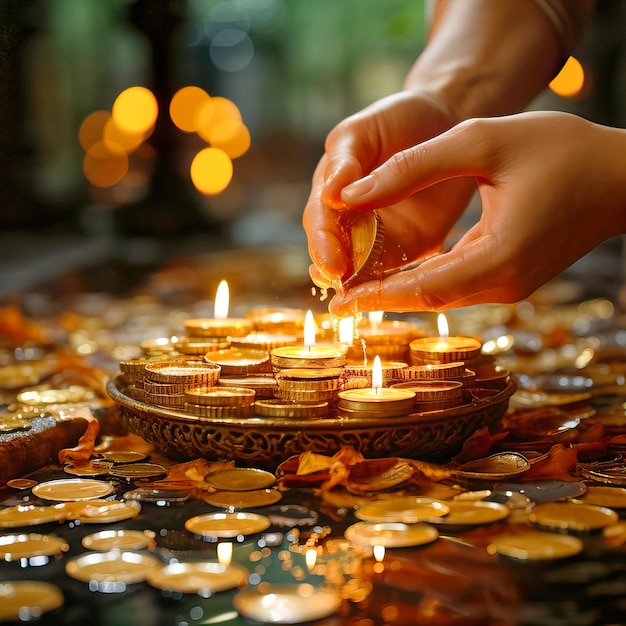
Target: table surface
pixel 454 580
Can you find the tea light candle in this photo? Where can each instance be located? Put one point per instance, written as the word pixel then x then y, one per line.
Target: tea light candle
pixel 377 400
pixel 238 361
pixel 389 339
pixel 220 325
pixel 266 341
pixel 443 349
pixel 278 320
pixel 309 355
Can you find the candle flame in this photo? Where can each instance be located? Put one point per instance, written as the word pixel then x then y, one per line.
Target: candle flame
pixel 220 312
pixel 346 331
pixel 310 557
pixel 442 326
pixel 377 374
pixel 309 330
pixel 376 317
pixel 225 552
pixel 379 552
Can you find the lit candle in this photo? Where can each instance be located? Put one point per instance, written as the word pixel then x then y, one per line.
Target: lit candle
pixel 389 339
pixel 443 349
pixel 309 355
pixel 376 400
pixel 220 325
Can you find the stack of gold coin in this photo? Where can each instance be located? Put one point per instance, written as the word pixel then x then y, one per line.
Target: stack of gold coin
pixel 219 402
pixel 444 350
pixel 199 346
pixel 433 395
pixel 203 328
pixel 240 361
pixel 131 373
pixel 265 341
pixel 391 370
pixel 277 408
pixel 434 371
pixel 165 381
pixel 389 339
pixel 157 347
pixel 264 385
pixel 304 385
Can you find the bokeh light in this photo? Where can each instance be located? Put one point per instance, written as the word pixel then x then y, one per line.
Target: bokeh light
pixel 185 106
pixel 230 135
pixel 214 112
pixel 211 171
pixel 570 81
pixel 129 142
pixel 105 164
pixel 231 50
pixel 113 140
pixel 92 128
pixel 135 110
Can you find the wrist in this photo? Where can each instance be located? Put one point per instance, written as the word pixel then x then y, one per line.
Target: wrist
pixel 472 70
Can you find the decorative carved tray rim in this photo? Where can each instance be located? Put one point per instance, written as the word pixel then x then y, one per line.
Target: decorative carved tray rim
pixel 116 386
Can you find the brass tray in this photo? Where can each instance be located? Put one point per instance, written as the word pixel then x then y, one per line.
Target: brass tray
pixel 265 442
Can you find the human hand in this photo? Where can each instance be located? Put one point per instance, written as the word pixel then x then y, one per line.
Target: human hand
pixel 552 187
pixel 415 226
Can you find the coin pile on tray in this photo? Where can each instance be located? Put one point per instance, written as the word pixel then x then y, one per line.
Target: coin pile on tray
pixel 238 367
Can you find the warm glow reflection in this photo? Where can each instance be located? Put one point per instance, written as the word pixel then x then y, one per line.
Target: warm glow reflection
pixel 442 326
pixel 346 331
pixel 220 311
pixel 570 80
pixel 224 552
pixel 185 107
pixel 310 557
pixel 105 164
pixel 309 329
pixel 375 318
pixel 135 110
pixel 377 373
pixel 211 171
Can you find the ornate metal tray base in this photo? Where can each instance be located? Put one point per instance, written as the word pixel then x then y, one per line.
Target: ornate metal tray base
pixel 265 442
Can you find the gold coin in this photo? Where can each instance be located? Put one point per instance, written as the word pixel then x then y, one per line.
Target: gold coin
pixel 240 479
pixel 243 499
pixel 14 425
pixel 535 545
pixel 27 597
pixel 29 545
pixel 227 525
pixel 570 516
pixel 201 576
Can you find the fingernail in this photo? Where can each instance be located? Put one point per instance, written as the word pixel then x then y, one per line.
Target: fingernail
pixel 358 188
